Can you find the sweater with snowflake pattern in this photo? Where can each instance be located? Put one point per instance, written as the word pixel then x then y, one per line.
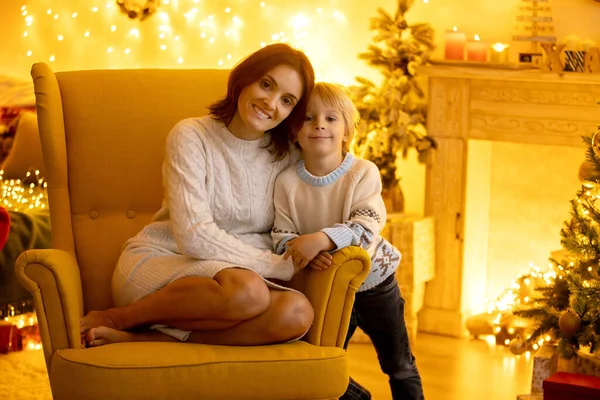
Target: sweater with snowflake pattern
pixel 346 205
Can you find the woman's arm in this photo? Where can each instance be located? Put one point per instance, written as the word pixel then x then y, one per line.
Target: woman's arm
pixel 196 234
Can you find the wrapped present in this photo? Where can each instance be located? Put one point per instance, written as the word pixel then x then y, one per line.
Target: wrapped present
pixel 574 61
pixel 10 338
pixel 533 396
pixel 567 386
pixel 545 364
pixel 585 363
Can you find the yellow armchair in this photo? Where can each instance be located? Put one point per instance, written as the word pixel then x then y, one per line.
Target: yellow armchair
pixel 103 135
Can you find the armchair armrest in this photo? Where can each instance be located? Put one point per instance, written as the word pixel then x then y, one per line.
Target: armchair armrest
pixel 52 277
pixel 331 293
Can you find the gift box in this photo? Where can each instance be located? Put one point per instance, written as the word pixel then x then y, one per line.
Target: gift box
pixel 545 364
pixel 533 396
pixel 10 338
pixel 574 61
pixel 566 386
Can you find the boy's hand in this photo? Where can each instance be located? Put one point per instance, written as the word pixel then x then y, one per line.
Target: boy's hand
pixel 306 247
pixel 321 262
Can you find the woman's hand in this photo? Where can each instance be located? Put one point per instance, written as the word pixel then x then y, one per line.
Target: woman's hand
pixel 305 248
pixel 321 262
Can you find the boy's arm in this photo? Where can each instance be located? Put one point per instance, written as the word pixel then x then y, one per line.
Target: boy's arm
pixel 367 213
pixel 284 229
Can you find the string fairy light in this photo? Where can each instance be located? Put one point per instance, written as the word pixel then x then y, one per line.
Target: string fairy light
pixel 192 32
pixel 24 195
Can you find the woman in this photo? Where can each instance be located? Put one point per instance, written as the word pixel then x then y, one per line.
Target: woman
pixel 195 273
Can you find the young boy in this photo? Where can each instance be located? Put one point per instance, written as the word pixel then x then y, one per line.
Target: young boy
pixel 330 200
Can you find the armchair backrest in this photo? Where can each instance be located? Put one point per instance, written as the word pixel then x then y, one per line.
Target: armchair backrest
pixel 103 134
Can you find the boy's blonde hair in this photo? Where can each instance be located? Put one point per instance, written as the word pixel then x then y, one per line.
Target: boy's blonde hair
pixel 335 96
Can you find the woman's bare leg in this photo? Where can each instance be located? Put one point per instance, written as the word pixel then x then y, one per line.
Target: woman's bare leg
pixel 289 316
pixel 233 295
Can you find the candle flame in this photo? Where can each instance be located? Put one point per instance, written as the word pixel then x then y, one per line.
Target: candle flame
pixel 499 47
pixel 455 29
pixel 476 37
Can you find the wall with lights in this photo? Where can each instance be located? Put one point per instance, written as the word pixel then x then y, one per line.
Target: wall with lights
pixel 94 34
pixel 84 34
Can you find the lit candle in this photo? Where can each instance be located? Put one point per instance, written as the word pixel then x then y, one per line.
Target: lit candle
pixel 455 44
pixel 586 45
pixel 477 50
pixel 499 53
pixel 572 42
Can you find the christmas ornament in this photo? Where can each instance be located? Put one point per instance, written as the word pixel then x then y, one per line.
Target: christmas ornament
pixel 517 346
pixel 588 172
pixel 138 9
pixel 569 323
pixel 596 143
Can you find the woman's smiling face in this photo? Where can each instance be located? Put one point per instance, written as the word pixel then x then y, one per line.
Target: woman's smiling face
pixel 263 104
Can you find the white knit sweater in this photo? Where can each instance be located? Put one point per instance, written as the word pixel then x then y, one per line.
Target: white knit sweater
pixel 218 200
pixel 346 205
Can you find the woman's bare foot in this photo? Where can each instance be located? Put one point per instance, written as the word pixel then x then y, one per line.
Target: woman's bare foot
pixel 95 319
pixel 101 335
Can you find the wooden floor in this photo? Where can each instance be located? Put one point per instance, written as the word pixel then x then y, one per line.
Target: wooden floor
pixel 451 369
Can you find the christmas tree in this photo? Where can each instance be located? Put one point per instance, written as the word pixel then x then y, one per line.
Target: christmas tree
pixel 569 307
pixel 393 113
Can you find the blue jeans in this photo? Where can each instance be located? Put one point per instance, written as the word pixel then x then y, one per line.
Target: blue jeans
pixel 379 312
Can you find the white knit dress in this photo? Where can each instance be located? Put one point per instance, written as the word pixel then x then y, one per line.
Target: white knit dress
pixel 217 213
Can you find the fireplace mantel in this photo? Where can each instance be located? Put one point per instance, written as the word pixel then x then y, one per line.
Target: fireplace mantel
pixel 519 106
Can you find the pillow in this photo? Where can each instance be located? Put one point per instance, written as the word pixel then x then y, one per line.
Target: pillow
pixel 16 96
pixel 25 151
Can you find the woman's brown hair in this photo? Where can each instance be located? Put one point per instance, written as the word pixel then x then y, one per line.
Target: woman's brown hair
pixel 253 68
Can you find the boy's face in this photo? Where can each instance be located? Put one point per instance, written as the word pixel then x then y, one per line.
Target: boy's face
pixel 324 131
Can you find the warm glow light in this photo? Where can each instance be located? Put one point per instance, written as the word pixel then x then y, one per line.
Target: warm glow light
pixel 188 22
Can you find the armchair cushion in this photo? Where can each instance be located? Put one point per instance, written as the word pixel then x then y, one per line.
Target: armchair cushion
pixel 194 371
